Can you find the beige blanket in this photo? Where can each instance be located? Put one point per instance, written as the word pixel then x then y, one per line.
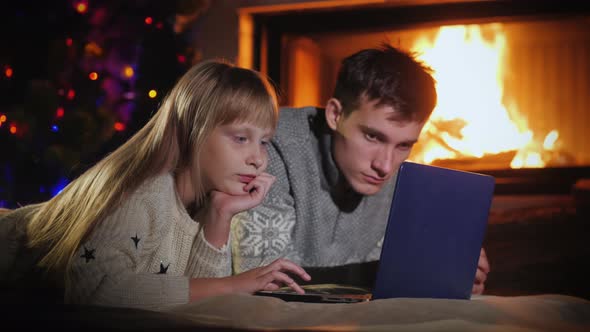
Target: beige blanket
pixel 482 313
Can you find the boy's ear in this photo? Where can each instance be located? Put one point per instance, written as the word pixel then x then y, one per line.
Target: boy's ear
pixel 333 113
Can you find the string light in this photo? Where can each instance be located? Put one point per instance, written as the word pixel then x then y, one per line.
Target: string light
pixel 13 129
pixel 8 72
pixel 71 94
pixel 119 126
pixel 54 128
pixel 128 71
pixel 148 20
pixel 60 112
pixel 93 49
pixel 82 7
pixel 181 58
pixel 2 118
pixel 93 76
pixel 59 186
pixel 153 93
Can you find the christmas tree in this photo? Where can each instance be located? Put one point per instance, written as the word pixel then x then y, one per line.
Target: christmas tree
pixel 78 79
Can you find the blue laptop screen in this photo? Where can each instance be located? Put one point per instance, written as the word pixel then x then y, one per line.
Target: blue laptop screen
pixel 436 227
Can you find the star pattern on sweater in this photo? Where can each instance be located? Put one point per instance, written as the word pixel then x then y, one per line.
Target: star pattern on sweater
pixel 88 254
pixel 163 269
pixel 135 240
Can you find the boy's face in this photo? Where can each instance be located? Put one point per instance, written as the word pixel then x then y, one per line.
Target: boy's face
pixel 369 144
pixel 232 156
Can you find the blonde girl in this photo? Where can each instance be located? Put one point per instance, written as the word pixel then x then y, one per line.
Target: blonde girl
pixel 148 225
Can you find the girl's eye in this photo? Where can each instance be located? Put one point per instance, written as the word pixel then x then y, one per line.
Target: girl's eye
pixel 240 139
pixel 265 143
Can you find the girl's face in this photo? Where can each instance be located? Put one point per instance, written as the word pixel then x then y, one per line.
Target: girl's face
pixel 232 156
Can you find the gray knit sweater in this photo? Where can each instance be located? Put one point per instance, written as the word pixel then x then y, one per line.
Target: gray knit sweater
pixel 309 216
pixel 143 254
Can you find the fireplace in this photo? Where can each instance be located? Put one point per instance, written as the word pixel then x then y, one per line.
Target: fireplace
pixel 513 77
pixel 514 102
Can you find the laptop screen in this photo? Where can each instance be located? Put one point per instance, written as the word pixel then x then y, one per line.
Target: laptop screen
pixel 436 227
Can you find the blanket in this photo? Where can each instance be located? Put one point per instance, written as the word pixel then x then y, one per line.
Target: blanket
pixel 549 312
pixel 243 312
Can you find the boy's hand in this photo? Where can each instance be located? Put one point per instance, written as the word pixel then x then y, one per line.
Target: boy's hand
pixel 483 268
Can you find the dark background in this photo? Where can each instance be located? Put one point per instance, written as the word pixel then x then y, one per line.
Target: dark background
pixel 62 122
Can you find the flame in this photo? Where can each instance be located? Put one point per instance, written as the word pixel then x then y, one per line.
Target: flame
pixel 550 139
pixel 470 119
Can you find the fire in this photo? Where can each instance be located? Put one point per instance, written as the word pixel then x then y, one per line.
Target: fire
pixel 470 120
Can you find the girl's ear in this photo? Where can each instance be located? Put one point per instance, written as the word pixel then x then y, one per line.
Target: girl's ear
pixel 333 113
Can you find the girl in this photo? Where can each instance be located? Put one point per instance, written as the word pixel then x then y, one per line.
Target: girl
pixel 148 225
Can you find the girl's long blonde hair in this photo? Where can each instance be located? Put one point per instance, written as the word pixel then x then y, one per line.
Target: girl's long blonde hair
pixel 209 94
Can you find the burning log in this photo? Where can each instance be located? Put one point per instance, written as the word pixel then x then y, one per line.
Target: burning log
pixel 488 161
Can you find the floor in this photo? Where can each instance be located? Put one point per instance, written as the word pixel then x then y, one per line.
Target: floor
pixel 538 245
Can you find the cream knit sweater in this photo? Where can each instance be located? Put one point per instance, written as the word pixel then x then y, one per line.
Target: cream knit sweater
pixel 144 253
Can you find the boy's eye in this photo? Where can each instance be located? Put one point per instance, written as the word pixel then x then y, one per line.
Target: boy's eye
pixel 264 142
pixel 371 137
pixel 405 146
pixel 240 139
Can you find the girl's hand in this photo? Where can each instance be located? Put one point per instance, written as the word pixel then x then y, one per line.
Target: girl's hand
pixel 217 214
pixel 269 277
pixel 254 192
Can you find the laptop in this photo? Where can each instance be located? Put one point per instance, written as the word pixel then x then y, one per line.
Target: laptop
pixel 436 227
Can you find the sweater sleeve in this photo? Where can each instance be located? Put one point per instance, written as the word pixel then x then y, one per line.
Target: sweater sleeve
pixel 134 258
pixel 264 233
pixel 207 261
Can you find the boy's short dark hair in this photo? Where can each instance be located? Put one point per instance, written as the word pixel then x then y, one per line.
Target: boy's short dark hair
pixel 391 76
